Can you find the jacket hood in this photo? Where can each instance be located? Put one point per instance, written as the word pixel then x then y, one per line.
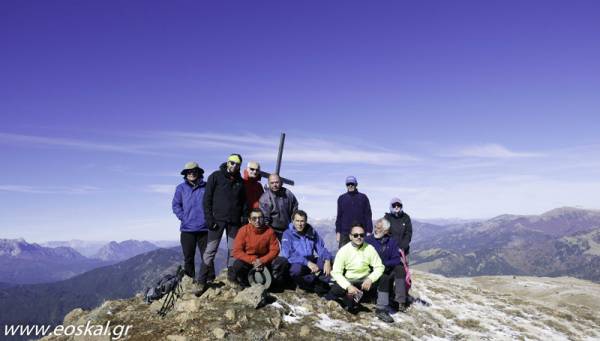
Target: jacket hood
pixel 246 177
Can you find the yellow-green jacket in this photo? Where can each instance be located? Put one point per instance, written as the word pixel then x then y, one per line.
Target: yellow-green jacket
pixel 356 262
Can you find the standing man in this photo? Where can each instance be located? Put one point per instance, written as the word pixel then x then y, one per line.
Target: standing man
pixel 352 207
pixel 224 203
pixel 401 226
pixel 277 205
pixel 187 206
pixel 252 184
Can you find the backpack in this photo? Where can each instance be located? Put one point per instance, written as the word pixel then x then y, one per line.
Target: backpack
pixel 168 286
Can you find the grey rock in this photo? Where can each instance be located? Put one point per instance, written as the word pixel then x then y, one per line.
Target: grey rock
pixel 251 296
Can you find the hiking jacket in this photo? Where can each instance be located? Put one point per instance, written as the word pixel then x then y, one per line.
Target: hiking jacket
pixel 278 208
pixel 387 248
pixel 357 262
pixel 225 197
pixel 250 244
pixel 301 248
pixel 253 189
pixel 187 206
pixel 351 207
pixel 401 229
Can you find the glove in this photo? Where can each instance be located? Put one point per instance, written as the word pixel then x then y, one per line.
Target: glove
pixel 212 225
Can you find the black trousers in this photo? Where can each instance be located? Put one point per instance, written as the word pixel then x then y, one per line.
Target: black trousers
pixel 189 242
pixel 278 268
pixel 337 292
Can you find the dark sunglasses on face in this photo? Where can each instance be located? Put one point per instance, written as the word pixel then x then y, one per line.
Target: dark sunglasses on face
pixel 396 205
pixel 358 235
pixel 231 163
pixel 256 218
pixel 253 169
pixel 350 184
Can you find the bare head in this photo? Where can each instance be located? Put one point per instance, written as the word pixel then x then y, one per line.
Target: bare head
pixel 382 227
pixel 274 182
pixel 253 169
pixel 357 235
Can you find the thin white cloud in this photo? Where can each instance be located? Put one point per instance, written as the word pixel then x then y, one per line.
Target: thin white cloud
pixel 49 189
pixel 28 140
pixel 493 151
pixel 161 189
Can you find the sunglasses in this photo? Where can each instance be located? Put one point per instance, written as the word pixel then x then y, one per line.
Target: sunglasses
pixel 253 169
pixel 256 218
pixel 358 235
pixel 396 205
pixel 231 163
pixel 350 184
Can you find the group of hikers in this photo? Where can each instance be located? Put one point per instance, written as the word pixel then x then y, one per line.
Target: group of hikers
pixel 269 235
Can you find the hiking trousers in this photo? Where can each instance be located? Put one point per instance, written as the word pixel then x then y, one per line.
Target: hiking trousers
pixel 305 279
pixel 277 268
pixel 207 270
pixel 189 242
pixel 392 286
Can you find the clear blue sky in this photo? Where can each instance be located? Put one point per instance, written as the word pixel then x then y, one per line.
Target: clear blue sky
pixel 463 109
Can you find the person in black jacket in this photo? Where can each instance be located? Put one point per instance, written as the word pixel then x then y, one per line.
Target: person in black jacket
pixel 401 229
pixel 224 205
pixel 352 207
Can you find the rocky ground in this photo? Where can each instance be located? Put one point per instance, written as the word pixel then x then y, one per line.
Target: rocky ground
pixel 480 308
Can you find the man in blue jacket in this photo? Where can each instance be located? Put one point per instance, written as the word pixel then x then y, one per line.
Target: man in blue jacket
pixel 187 206
pixel 394 275
pixel 353 207
pixel 309 259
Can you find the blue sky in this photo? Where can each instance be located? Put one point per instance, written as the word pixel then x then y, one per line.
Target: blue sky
pixel 463 109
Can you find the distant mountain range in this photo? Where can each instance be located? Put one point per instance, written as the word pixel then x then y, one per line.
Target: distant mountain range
pixel 561 242
pixel 21 262
pixel 114 251
pixel 30 263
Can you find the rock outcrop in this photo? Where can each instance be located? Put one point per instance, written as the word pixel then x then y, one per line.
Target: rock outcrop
pixel 461 308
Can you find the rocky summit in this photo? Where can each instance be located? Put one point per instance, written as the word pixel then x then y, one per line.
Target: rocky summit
pixel 480 308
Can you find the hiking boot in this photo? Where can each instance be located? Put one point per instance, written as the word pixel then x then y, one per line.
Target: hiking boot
pixel 384 316
pixel 199 289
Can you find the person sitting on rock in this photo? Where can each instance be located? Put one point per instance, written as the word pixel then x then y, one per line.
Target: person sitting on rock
pixel 309 259
pixel 255 247
pixel 394 274
pixel 357 265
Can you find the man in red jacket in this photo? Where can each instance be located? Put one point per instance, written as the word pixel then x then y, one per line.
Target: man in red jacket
pixel 255 246
pixel 252 184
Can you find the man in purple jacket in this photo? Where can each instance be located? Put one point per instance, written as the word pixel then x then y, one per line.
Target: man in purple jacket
pixel 187 206
pixel 394 274
pixel 352 207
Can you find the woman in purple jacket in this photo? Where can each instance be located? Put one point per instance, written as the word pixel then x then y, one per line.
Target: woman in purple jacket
pixel 187 206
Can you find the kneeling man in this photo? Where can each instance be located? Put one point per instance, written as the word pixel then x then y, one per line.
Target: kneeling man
pixel 255 246
pixel 352 270
pixel 309 259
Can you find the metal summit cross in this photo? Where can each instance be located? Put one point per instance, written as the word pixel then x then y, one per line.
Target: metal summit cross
pixel 278 165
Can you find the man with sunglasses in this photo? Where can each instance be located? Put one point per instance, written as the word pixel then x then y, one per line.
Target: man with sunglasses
pixel 187 206
pixel 352 206
pixel 401 225
pixel 252 184
pixel 224 205
pixel 356 270
pixel 255 246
